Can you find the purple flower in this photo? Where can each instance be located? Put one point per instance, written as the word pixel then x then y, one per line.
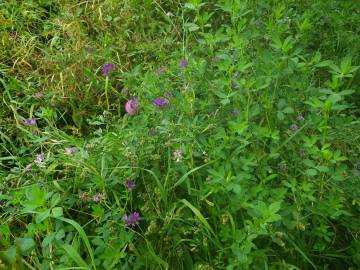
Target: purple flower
pixel 160 102
pixel 98 197
pixel 106 69
pixel 132 106
pixel 39 159
pixel 357 165
pixel 183 63
pixel 70 150
pixel 300 117
pixel 178 155
pixel 38 95
pixel 302 152
pixel 132 219
pixel 30 122
pixel 162 69
pixel 130 185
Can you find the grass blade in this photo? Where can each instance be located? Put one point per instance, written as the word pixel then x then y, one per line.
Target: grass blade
pixel 74 255
pixel 83 237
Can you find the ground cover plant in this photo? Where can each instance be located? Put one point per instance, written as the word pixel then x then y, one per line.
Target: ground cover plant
pixel 167 134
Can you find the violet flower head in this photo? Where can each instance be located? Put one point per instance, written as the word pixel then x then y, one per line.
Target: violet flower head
pixel 30 122
pixel 132 106
pixel 98 197
pixel 107 68
pixel 38 95
pixel 70 150
pixel 183 63
pixel 162 69
pixel 132 219
pixel 39 160
pixel 130 185
pixel 161 102
pixel 300 117
pixel 178 155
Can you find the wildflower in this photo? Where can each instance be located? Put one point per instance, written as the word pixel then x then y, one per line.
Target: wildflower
pixel 183 63
pixel 302 152
pixel 39 160
pixel 357 165
pixel 132 219
pixel 162 69
pixel 300 117
pixel 70 150
pixel 160 102
pixel 38 95
pixel 98 197
pixel 30 122
pixel 132 106
pixel 178 155
pixel 106 69
pixel 130 185
pixel 294 127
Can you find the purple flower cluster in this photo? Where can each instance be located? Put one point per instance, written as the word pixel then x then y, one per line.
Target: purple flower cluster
pixel 132 107
pixel 132 219
pixel 38 95
pixel 70 150
pixel 162 69
pixel 39 159
pixel 30 122
pixel 183 63
pixel 300 118
pixel 98 197
pixel 107 68
pixel 161 102
pixel 130 185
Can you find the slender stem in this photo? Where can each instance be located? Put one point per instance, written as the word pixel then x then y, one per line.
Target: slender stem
pixel 106 92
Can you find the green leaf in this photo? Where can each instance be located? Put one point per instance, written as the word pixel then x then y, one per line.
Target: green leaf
pixel 311 172
pixel 42 216
pixel 25 245
pixel 55 199
pixel 57 212
pixel 288 110
pixel 191 27
pixel 9 255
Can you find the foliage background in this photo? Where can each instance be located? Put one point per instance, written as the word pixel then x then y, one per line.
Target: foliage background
pixel 266 116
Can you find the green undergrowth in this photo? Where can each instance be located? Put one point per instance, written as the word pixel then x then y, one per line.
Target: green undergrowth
pixel 251 162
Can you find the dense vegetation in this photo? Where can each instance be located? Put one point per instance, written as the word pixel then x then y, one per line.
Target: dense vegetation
pixel 165 134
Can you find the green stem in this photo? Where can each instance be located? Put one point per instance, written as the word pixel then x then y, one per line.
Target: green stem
pixel 106 92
